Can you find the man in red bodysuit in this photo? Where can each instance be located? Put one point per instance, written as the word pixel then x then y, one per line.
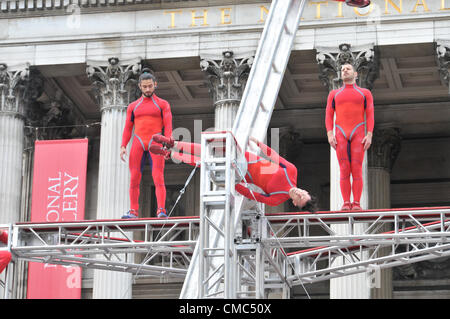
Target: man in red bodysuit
pixel 148 115
pixel 5 256
pixel 279 185
pixel 350 102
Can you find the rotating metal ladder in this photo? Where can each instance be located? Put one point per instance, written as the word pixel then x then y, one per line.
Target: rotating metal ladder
pixel 214 268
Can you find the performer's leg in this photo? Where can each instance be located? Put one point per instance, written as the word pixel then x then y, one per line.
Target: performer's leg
pixel 158 179
pixel 344 165
pixel 191 148
pixel 135 173
pixel 5 258
pixel 357 153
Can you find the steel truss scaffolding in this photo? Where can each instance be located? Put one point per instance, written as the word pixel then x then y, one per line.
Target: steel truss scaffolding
pixel 233 249
pixel 264 255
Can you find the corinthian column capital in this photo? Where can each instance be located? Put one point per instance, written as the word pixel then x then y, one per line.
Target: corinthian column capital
pixel 227 76
pixel 115 82
pixel 13 82
pixel 364 58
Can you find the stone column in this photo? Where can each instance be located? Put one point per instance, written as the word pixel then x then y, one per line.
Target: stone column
pixel 115 83
pixel 381 156
pixel 227 77
pixel 443 59
pixel 13 82
pixel 365 62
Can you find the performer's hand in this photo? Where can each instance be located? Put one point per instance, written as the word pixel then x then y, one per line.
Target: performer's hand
pixel 123 153
pixel 332 139
pixel 367 141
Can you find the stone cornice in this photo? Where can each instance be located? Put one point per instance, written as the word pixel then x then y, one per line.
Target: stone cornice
pixel 27 8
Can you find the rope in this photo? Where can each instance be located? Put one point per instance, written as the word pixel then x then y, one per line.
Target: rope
pixel 182 191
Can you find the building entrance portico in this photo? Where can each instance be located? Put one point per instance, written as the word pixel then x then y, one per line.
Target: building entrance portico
pixel 51 69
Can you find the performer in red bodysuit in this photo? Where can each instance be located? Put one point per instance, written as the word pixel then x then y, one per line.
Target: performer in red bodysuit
pixel 5 256
pixel 350 102
pixel 148 115
pixel 276 177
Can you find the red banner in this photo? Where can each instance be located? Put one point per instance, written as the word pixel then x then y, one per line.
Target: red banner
pixel 59 187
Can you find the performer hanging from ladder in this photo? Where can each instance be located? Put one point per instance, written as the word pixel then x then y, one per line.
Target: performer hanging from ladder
pixel 350 102
pixel 148 115
pixel 276 177
pixel 5 256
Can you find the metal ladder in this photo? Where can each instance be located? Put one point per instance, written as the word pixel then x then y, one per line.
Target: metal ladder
pixel 216 275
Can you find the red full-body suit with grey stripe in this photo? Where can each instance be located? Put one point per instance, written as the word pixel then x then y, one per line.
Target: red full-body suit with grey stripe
pixel 149 116
pixel 275 176
pixel 350 103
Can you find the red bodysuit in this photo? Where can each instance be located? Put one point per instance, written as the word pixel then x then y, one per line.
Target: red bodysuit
pixel 149 116
pixel 5 256
pixel 275 177
pixel 350 103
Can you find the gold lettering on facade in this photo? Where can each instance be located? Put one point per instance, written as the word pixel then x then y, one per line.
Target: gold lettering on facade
pixel 340 15
pixel 421 3
pixel 172 17
pixel 396 7
pixel 263 12
pixel 195 18
pixel 225 16
pixel 318 4
pixel 364 14
pixel 443 6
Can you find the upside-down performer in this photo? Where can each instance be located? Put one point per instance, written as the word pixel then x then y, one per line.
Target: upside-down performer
pixel 350 141
pixel 5 256
pixel 148 115
pixel 276 176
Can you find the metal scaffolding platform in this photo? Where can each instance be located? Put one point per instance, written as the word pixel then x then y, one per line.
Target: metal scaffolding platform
pixel 298 248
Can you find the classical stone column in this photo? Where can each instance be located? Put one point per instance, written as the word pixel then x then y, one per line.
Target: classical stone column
pixel 13 82
pixel 115 83
pixel 443 59
pixel 381 156
pixel 227 77
pixel 365 62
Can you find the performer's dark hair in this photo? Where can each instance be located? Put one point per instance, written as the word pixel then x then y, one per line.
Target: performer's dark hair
pixel 147 75
pixel 311 205
pixel 348 63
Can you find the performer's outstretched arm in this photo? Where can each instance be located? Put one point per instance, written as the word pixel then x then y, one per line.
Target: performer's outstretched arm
pixel 271 200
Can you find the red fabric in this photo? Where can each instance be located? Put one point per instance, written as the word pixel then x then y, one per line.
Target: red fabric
pixel 348 104
pixel 350 108
pixel 4 237
pixel 270 176
pixel 350 163
pixel 149 119
pixel 5 258
pixel 59 189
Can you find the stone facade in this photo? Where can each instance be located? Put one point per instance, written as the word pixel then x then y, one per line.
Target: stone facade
pixel 74 71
